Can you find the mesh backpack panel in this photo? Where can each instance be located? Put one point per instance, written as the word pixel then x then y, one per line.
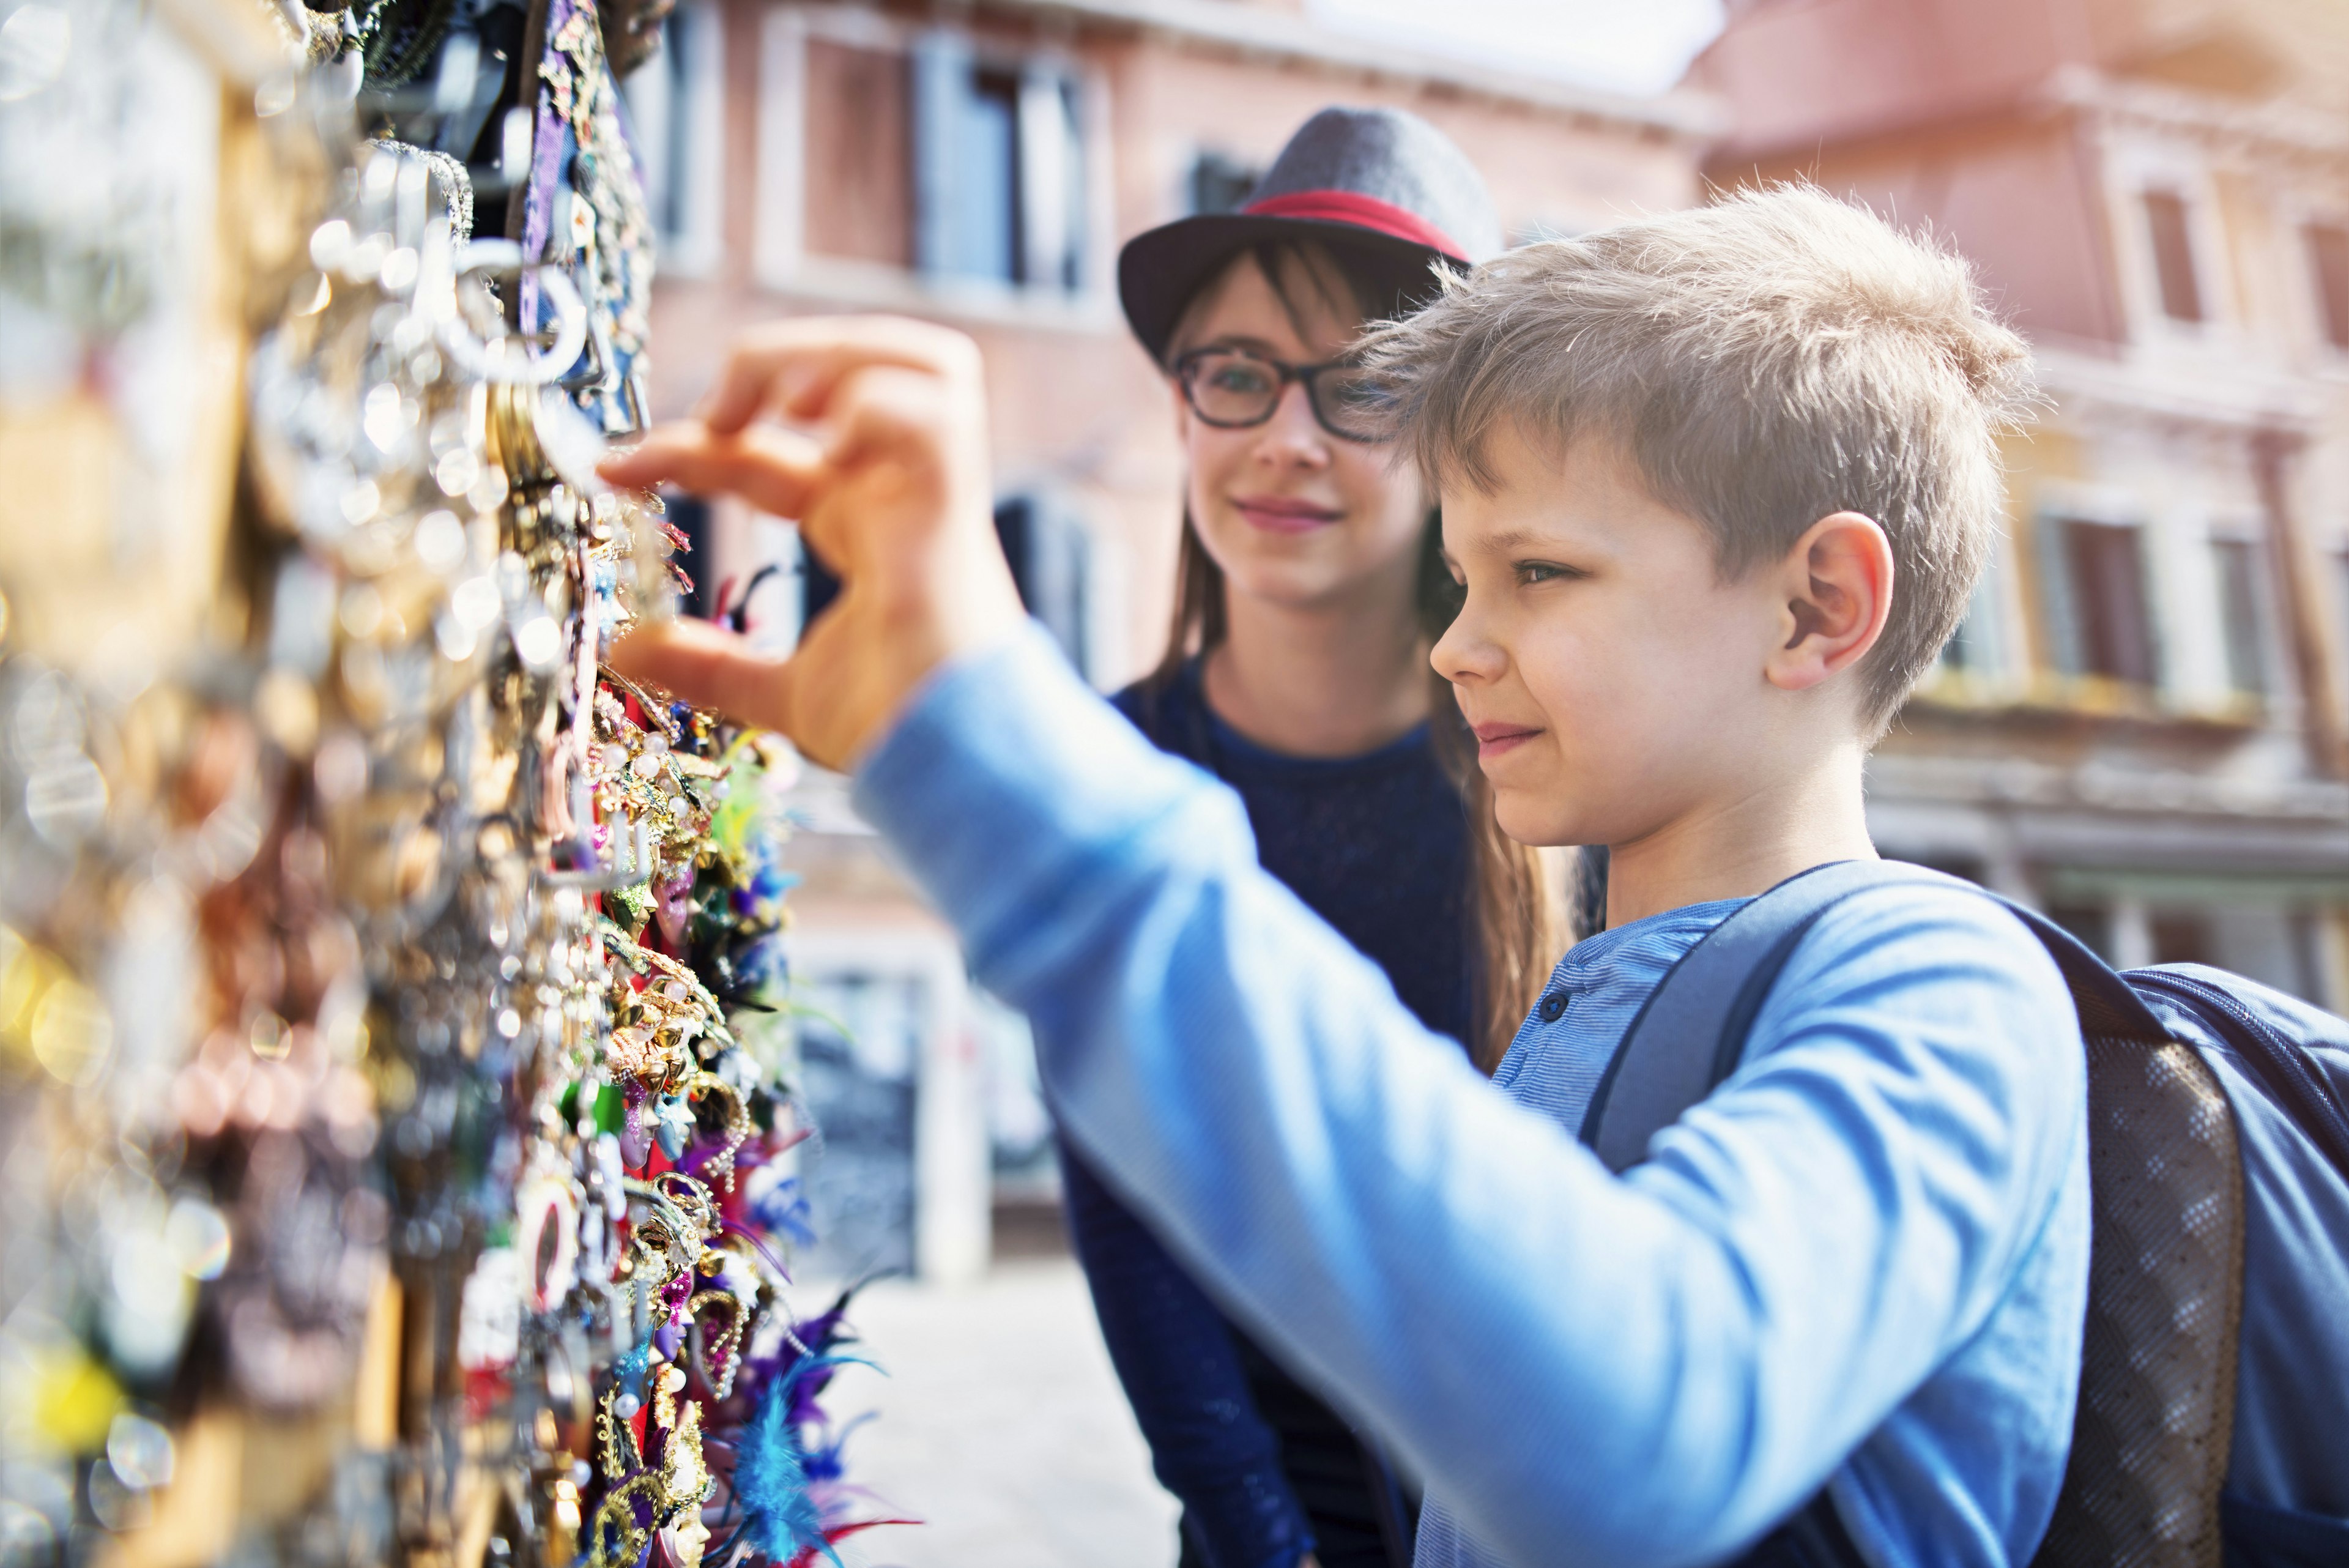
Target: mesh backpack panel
pixel 2149 1444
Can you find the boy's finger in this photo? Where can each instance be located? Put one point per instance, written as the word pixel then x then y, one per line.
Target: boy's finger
pixel 881 412
pixel 887 418
pixel 794 366
pixel 706 666
pixel 776 471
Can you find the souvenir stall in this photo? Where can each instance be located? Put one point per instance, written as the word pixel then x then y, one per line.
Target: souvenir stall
pixel 396 1065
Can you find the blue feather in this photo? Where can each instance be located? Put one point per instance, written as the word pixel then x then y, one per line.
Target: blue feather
pixel 770 1480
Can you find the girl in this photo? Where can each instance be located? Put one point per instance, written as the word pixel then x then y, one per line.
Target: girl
pixel 1311 588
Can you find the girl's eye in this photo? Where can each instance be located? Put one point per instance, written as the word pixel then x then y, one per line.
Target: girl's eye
pixel 1532 572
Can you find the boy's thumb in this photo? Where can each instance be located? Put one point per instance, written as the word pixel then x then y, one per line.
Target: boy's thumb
pixel 706 666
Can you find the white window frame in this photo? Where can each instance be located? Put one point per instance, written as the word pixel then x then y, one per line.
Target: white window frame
pixel 2239 526
pixel 2059 502
pixel 1993 620
pixel 781 259
pixel 2141 166
pixel 2296 214
pixel 697 247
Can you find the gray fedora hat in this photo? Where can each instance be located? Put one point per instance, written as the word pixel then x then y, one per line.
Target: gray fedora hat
pixel 1385 187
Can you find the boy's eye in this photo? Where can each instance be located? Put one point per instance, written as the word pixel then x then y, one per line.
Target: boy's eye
pixel 1532 572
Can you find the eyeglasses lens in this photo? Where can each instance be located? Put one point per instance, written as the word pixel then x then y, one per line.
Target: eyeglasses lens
pixel 1232 389
pixel 1349 403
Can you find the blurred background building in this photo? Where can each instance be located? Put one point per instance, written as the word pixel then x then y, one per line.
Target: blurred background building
pixel 2140 726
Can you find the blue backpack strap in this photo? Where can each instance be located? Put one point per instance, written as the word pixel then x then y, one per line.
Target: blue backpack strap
pixel 1692 1032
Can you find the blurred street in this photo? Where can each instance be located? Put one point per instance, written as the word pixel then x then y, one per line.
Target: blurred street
pixel 1000 1425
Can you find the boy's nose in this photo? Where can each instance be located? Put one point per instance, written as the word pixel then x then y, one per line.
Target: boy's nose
pixel 1465 655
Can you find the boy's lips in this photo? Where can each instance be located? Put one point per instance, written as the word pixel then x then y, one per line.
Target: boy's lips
pixel 1284 513
pixel 1494 740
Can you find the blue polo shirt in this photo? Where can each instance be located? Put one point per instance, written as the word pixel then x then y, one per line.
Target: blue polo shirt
pixel 1864 1260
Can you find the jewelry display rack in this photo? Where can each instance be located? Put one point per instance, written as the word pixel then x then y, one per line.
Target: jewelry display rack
pixel 395 1044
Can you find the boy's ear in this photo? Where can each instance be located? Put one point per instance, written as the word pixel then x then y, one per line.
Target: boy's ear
pixel 1835 593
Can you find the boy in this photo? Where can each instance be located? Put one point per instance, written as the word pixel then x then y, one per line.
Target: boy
pixel 1717 485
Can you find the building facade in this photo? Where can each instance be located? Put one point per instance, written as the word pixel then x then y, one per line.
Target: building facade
pixel 978 164
pixel 2140 726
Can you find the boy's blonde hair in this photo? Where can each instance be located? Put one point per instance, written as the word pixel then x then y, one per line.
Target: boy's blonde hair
pixel 1764 361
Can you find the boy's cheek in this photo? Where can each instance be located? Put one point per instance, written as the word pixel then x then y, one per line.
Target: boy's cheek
pixel 1543 794
pixel 1528 818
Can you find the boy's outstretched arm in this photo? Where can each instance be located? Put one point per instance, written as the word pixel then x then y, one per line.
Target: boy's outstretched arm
pixel 1648 1370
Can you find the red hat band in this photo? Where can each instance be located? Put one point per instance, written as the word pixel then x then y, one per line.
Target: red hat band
pixel 1361 211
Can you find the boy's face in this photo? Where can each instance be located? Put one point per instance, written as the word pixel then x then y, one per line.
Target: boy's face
pixel 1615 681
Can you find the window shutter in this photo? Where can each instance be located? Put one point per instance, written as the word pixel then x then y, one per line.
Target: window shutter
pixel 2240 603
pixel 941 71
pixel 2059 598
pixel 1051 180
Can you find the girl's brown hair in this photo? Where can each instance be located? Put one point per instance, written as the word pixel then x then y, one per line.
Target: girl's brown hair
pixel 1517 893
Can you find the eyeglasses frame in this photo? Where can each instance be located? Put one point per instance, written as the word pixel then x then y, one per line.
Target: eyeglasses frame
pixel 1290 375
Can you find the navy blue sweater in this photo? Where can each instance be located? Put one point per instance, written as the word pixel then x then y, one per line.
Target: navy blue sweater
pixel 1377 846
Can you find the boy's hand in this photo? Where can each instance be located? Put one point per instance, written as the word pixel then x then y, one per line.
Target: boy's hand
pixel 890 491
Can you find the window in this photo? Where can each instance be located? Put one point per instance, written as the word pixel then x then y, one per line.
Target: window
pixel 2341 566
pixel 1046 548
pixel 2328 254
pixel 1220 184
pixel 2173 256
pixel 2239 562
pixel 2092 923
pixel 1978 648
pixel 1972 649
pixel 999 176
pixel 1967 651
pixel 861 1046
pixel 677 109
pixel 2181 936
pixel 938 158
pixel 2111 625
pixel 690 516
pixel 1050 555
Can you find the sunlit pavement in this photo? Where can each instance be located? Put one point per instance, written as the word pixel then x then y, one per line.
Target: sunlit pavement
pixel 1000 1424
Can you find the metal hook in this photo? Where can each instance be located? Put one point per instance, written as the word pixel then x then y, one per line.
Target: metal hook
pixel 609 875
pixel 512 357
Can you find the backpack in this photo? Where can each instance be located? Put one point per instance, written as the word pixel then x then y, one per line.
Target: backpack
pixel 2213 1417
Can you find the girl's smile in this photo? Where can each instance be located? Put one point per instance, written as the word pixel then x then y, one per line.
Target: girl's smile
pixel 1284 513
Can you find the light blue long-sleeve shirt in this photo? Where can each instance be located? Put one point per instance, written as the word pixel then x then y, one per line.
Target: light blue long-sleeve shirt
pixel 1866 1257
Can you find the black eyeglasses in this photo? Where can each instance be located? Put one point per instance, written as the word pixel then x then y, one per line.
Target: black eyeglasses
pixel 1234 388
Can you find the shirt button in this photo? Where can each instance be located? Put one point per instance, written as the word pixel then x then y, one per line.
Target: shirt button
pixel 1552 1006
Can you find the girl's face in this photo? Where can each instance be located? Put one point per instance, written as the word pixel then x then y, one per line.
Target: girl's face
pixel 1293 515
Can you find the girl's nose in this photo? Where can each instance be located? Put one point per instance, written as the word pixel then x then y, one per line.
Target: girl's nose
pixel 1293 437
